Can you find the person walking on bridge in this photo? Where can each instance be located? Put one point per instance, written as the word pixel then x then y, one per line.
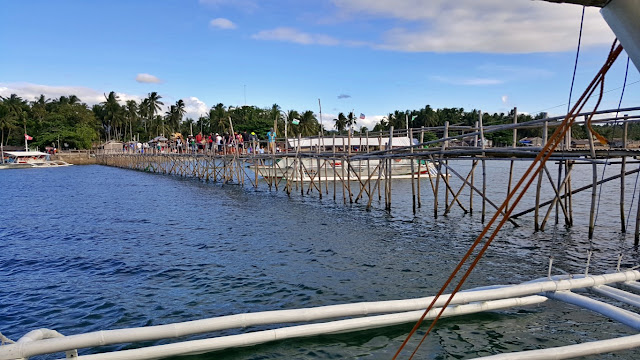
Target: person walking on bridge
pixel 271 136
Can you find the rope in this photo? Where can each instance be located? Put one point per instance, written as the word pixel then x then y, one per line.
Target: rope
pixel 624 84
pixel 575 66
pixel 540 159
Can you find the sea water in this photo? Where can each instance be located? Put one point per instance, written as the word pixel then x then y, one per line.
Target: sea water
pixel 88 248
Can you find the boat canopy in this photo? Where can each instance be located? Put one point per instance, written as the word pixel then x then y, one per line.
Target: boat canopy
pixel 25 153
pixel 355 141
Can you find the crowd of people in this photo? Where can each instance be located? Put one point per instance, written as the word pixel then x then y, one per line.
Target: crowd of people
pixel 211 144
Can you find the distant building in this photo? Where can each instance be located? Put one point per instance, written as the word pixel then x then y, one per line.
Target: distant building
pixel 111 147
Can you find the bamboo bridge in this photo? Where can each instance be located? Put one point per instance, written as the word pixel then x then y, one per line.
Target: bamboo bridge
pixel 326 166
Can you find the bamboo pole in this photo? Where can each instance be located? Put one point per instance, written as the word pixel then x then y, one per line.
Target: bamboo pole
pixel 513 145
pixel 636 238
pixel 389 170
pixel 622 179
pixel 484 170
pixel 445 144
pixel 413 186
pixel 545 132
pixel 419 168
pixel 300 162
pixel 594 189
pixel 333 165
pixel 475 162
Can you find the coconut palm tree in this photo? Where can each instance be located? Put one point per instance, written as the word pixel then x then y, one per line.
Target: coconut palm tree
pixel 113 113
pixel 289 116
pixel 340 123
pixel 218 121
pixel 7 122
pixel 143 112
pixel 131 115
pixel 16 111
pixel 351 121
pixel 309 125
pixel 154 104
pixel 180 110
pixel 173 117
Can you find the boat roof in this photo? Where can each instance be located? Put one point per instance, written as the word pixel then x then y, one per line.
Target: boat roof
pixel 355 141
pixel 25 153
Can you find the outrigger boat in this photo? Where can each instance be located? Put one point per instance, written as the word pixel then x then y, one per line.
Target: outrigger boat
pixel 310 169
pixel 29 159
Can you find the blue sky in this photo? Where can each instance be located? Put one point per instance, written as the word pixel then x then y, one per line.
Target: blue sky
pixel 369 56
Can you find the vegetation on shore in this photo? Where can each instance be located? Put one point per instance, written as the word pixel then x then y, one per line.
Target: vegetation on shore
pixel 69 120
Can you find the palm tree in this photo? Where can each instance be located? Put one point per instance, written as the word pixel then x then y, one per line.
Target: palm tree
pixel 180 110
pixel 173 117
pixel 74 100
pixel 340 122
pixel 153 103
pixel 309 125
pixel 351 121
pixel 131 114
pixel 113 113
pixel 289 117
pixel 16 111
pixel 7 122
pixel 218 118
pixel 143 112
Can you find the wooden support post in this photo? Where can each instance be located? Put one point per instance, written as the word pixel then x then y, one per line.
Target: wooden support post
pixel 545 132
pixel 484 169
pixel 419 167
pixel 445 144
pixel 413 186
pixel 389 170
pixel 319 171
pixel 335 172
pixel 513 145
pixel 473 173
pixel 300 162
pixel 622 178
pixel 594 189
pixel 636 238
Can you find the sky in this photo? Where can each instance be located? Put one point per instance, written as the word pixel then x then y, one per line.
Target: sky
pixel 367 56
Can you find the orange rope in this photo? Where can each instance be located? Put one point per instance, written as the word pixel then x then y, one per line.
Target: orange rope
pixel 542 157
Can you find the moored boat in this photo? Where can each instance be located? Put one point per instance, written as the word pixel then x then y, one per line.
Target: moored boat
pixel 309 169
pixel 29 159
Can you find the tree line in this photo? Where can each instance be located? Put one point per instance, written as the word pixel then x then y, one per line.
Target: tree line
pixel 67 120
pixel 429 117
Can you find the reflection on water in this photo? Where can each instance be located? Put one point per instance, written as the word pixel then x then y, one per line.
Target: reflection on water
pixel 90 247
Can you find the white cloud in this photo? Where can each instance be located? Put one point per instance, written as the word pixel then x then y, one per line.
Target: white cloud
pixel 147 78
pixel 488 26
pixel 369 121
pixel 505 98
pixel 30 92
pixel 293 35
pixel 222 23
pixel 194 107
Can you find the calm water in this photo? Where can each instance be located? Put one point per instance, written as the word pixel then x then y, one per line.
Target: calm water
pixel 86 248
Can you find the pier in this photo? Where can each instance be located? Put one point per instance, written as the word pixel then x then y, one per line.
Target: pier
pixel 361 169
